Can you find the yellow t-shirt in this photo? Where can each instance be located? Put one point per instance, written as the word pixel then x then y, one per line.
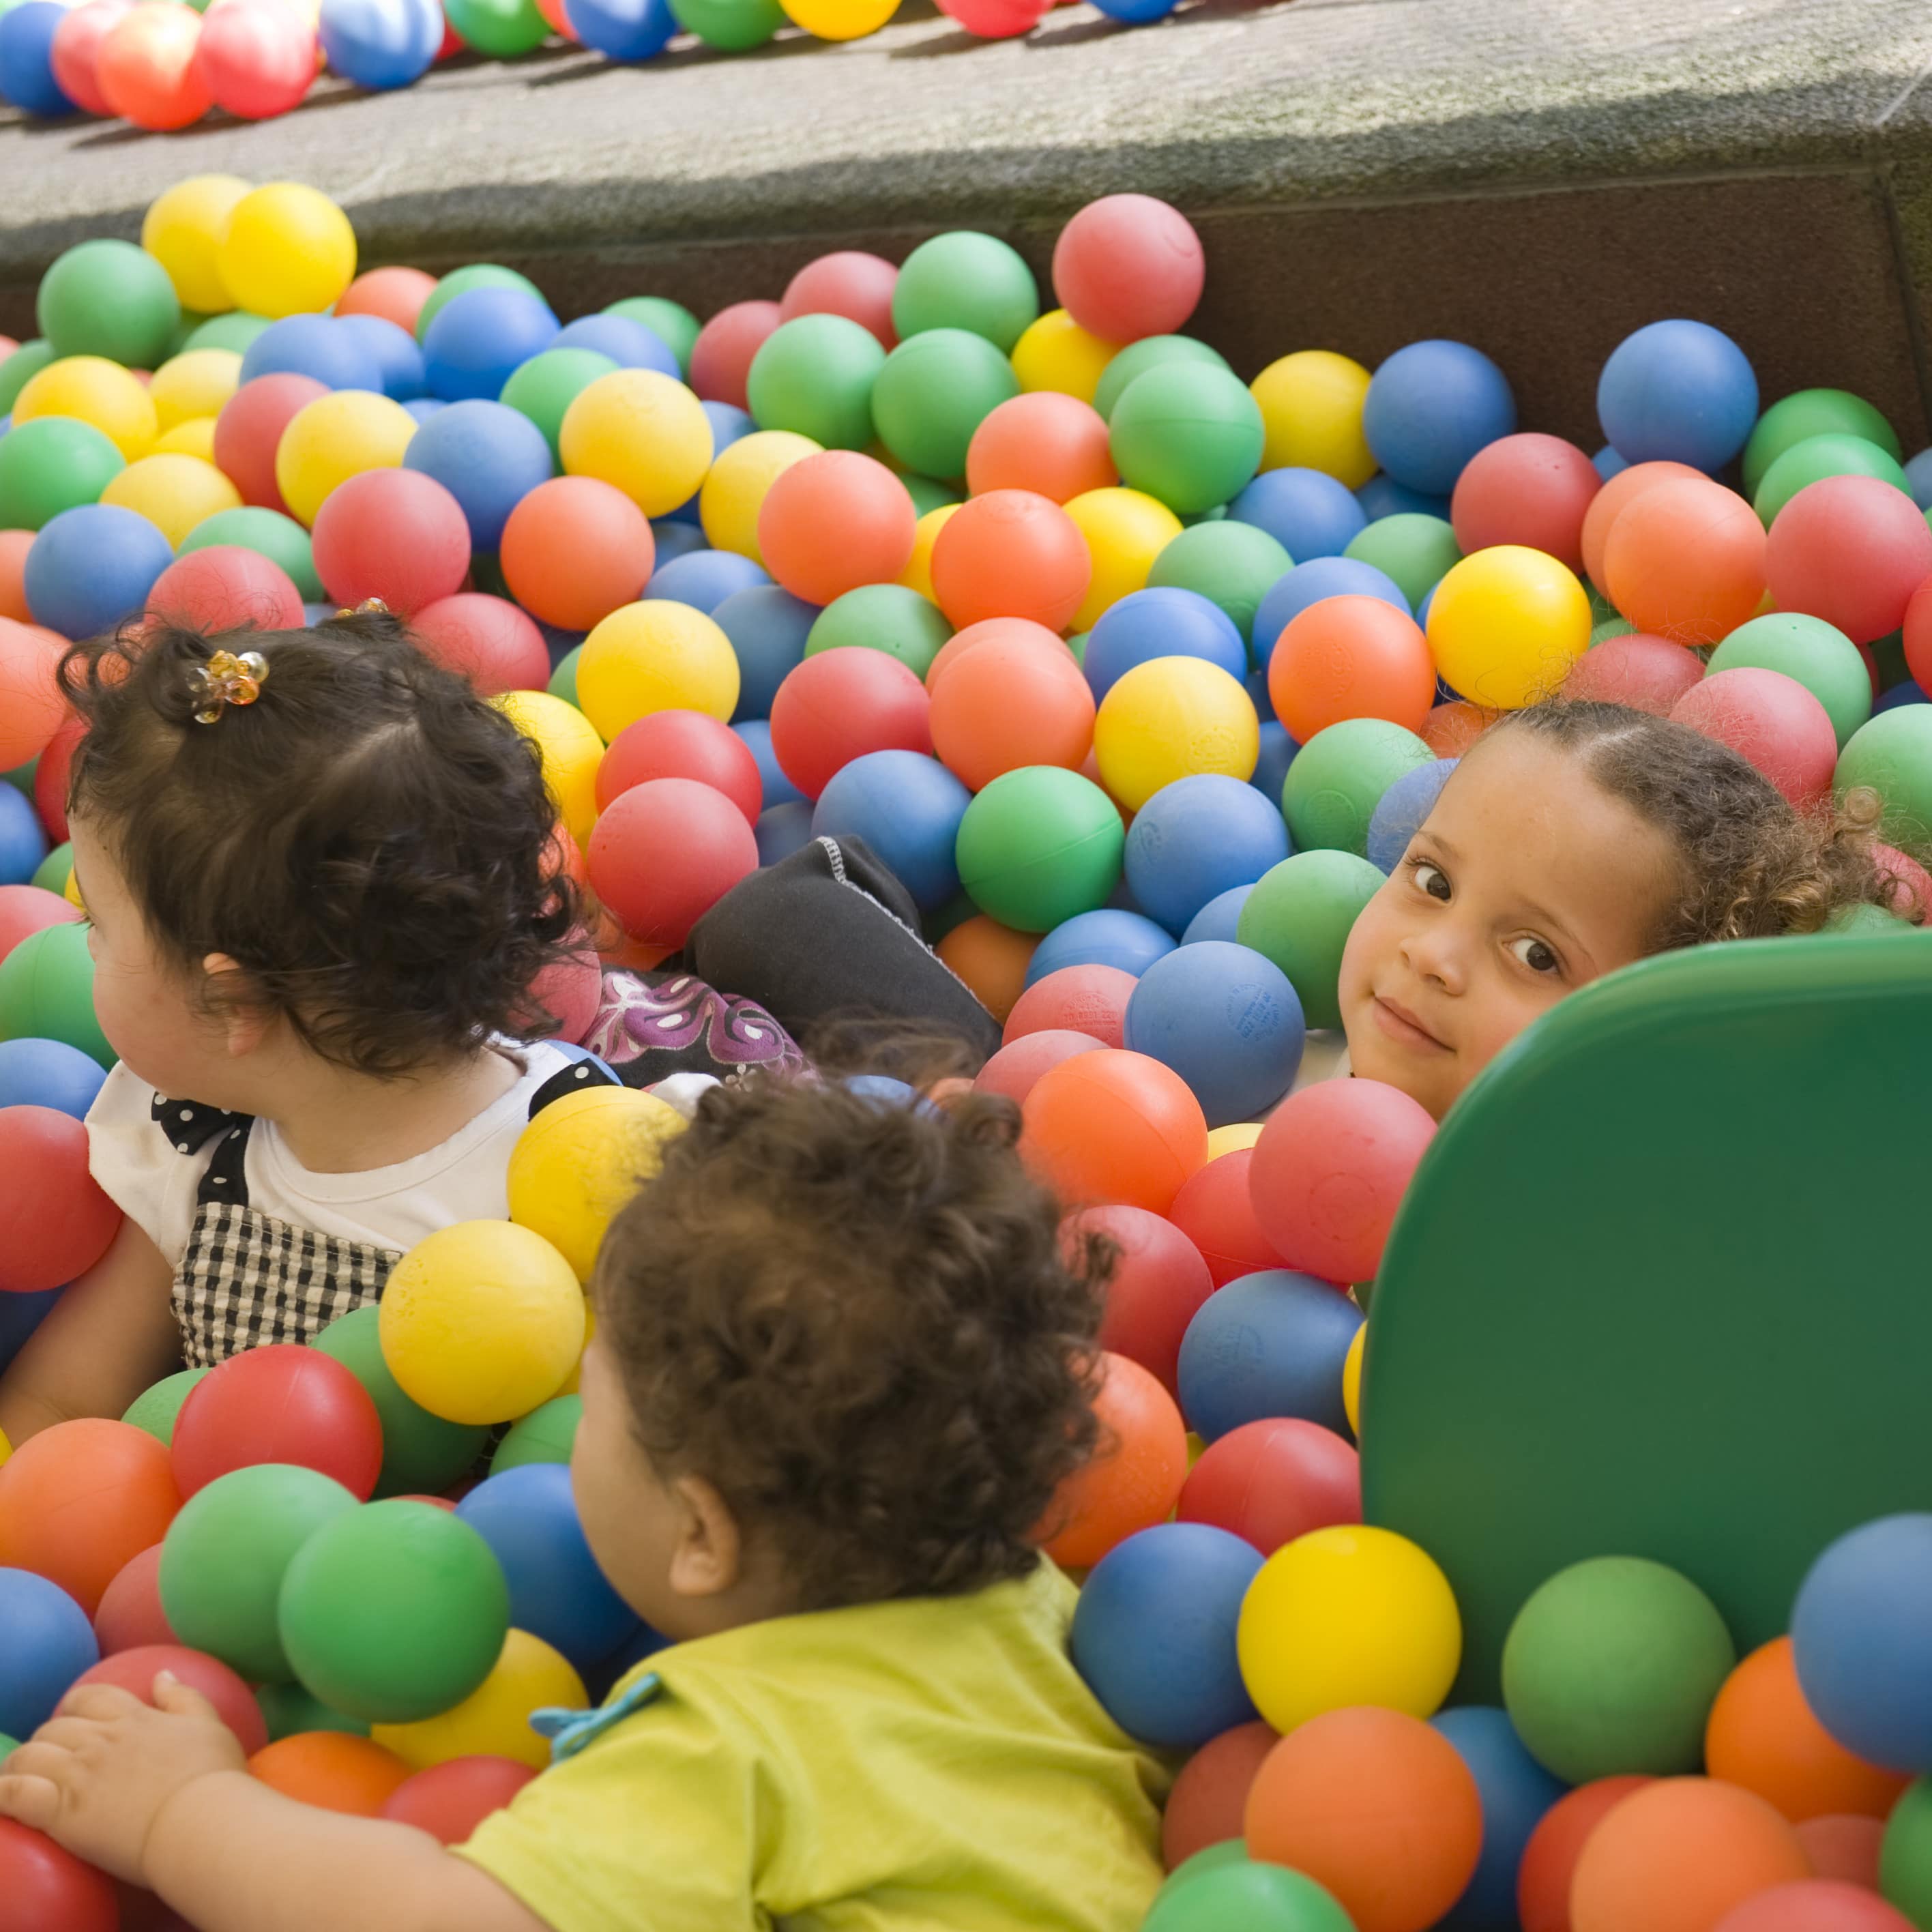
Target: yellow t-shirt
pixel 931 1765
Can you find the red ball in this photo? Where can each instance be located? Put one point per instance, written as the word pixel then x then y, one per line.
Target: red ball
pixel 449 1800
pixel 720 358
pixel 848 282
pixel 665 853
pixel 1128 265
pixel 1009 553
pixel 1210 1796
pixel 75 55
pixel 486 639
pixel 1053 444
pixel 682 744
pixel 225 587
pixel 1005 630
pixel 571 991
pixel 1815 1905
pixel 395 534
pixel 1330 1171
pixel 283 1403
pixel 257 58
pixel 1851 550
pixel 1079 999
pixel 1158 1285
pixel 1006 702
pixel 131 1614
pixel 834 522
pixel 134 1671
pixel 1646 673
pixel 575 549
pixel 838 705
pixel 26 910
pixel 1115 1126
pixel 1012 1072
pixel 1549 1859
pixel 56 1221
pixel 32 707
pixel 1527 489
pixel 1273 1480
pixel 1215 1211
pixel 50 778
pixel 996 19
pixel 1770 720
pixel 250 428
pixel 1844 1847
pixel 1685 560
pixel 146 68
pixel 48 1889
pixel 1351 657
pixel 1914 882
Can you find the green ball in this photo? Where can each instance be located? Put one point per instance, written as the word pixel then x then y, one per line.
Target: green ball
pixel 51 464
pixel 110 299
pixel 268 533
pixel 46 991
pixel 732 26
pixel 1817 457
pixel 1150 353
pixel 27 360
pixel 933 392
pixel 1809 413
pixel 1818 655
pixel 1612 1667
pixel 1602 610
pixel 393 1612
pixel 421 1453
pixel 966 281
pixel 1338 778
pixel 1299 914
pixel 675 325
pixel 1233 565
pixel 155 1408
pixel 1905 1853
pixel 287 1709
pixel 236 330
pixel 474 274
pixel 21 778
pixel 928 494
pixel 886 617
pixel 546 385
pixel 226 1553
pixel 1865 917
pixel 1611 627
pixel 1187 434
pixel 813 376
pixel 1417 551
pixel 1892 755
pixel 546 1434
pixel 191 320
pixel 1254 1897
pixel 1077 644
pixel 1038 845
pixel 53 872
pixel 1211 1857
pixel 502 28
pixel 563 678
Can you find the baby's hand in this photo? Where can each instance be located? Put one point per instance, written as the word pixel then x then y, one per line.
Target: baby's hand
pixel 96 1774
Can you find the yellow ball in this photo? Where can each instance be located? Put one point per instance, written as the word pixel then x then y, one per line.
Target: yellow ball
pixel 655 656
pixel 1126 530
pixel 494 1720
pixel 1352 1379
pixel 1507 624
pixel 195 437
pixel 573 1383
pixel 195 384
pixel 570 751
pixel 71 892
pixel 97 392
pixel 1232 1139
pixel 6 1447
pixel 1312 411
pixel 1055 352
pixel 182 229
pixel 174 493
pixel 334 438
pixel 1348 1615
pixel 482 1322
pixel 580 1160
pixel 917 575
pixel 641 433
pixel 288 250
pixel 734 489
pixel 840 20
pixel 1170 719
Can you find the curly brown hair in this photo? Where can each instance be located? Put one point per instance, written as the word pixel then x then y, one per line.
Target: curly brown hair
pixel 857 1318
pixel 370 841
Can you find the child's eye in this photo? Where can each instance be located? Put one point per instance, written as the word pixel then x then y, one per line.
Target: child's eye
pixel 1428 878
pixel 1537 955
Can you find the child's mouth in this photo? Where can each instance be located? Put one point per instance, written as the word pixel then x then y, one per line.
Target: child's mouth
pixel 1402 1027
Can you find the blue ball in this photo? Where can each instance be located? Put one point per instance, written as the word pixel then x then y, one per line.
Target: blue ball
pixel 20 1315
pixel 781 829
pixel 1430 407
pixel 1196 838
pixel 488 456
pixel 1277 753
pixel 380 44
pixel 1308 583
pixel 1404 806
pixel 1918 474
pixel 26 67
pixel 1678 391
pixel 481 338
pixel 622 30
pixel 529 1518
pixel 1117 936
pixel 1382 497
pixel 314 614
pixel 423 407
pixel 91 568
pixel 884 1088
pixel 1267 1344
pixel 778 789
pixel 1863 1643
pixel 728 423
pixel 1516 1792
pixel 704 578
pixel 1154 1632
pixel 404 377
pixel 768 628
pixel 320 347
pixel 1306 511
pixel 49 1642
pixel 676 539
pixel 906 807
pixel 1227 1020
pixel 48 1073
pixel 1163 623
pixel 1220 918
pixel 23 840
pixel 629 344
pixel 1608 464
pixel 1909 692
pixel 1136 12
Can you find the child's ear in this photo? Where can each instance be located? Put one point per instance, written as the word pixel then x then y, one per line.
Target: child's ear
pixel 243 1023
pixel 705 1562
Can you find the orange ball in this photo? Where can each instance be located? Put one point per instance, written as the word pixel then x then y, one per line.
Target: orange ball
pixel 146 67
pixel 334 1769
pixel 1351 657
pixel 991 959
pixel 1115 1126
pixel 833 522
pixel 1020 629
pixel 1762 1734
pixel 1053 444
pixel 1009 703
pixel 1134 1477
pixel 1549 1859
pixel 1451 729
pixel 1614 498
pixel 14 545
pixel 1377 1806
pixel 1011 553
pixel 1686 561
pixel 395 295
pixel 1678 1855
pixel 575 549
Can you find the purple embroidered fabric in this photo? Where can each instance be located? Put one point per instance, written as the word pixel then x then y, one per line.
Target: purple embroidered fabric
pixel 650 1027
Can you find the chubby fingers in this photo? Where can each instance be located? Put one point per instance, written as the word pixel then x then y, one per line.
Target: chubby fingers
pixel 183 1700
pixel 99 1703
pixel 32 1801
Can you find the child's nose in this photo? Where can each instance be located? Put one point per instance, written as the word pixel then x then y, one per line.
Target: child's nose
pixel 1436 952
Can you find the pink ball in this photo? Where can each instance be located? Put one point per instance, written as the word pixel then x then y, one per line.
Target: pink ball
pixel 1851 550
pixel 720 358
pixel 224 587
pixel 250 428
pixel 1912 876
pixel 571 991
pixel 1081 999
pixel 682 744
pixel 395 294
pixel 1127 266
pixel 486 639
pixel 1273 1480
pixel 1771 720
pixel 840 704
pixel 129 1614
pixel 76 52
pixel 257 58
pixel 665 853
pixel 849 283
pixel 1528 489
pixel 1647 674
pixel 1815 1905
pixel 996 19
pixel 395 534
pixel 1012 1071
pixel 1330 1171
pixel 1215 1210
pixel 1158 1285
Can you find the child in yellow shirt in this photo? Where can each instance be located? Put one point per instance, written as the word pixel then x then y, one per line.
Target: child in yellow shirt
pixel 841 1365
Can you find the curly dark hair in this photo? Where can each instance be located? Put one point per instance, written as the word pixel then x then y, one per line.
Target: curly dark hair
pixel 370 841
pixel 857 1319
